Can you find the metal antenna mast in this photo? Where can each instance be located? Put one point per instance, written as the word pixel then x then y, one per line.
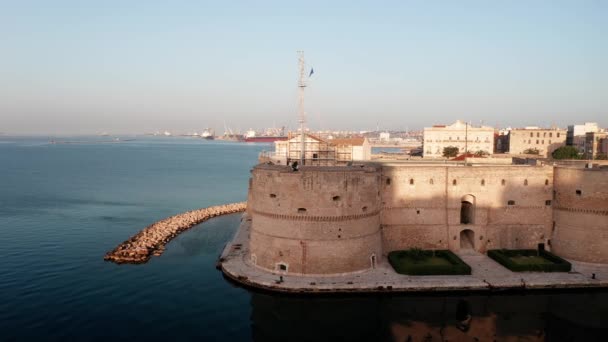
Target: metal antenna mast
pixel 302 114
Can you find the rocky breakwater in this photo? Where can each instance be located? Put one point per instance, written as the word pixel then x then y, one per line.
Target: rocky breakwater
pixel 152 239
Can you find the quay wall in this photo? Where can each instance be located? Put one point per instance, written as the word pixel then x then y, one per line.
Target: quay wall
pixel 580 230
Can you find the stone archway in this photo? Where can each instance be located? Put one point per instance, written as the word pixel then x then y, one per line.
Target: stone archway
pixel 467 209
pixel 467 239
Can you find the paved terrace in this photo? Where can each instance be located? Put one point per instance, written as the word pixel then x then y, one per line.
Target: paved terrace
pixel 486 275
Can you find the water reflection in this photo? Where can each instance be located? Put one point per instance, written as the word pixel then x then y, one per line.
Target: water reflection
pixel 538 317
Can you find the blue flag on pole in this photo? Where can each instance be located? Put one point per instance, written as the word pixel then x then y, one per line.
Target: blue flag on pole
pixel 312 71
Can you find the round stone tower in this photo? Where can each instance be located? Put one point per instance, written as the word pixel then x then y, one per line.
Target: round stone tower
pixel 317 220
pixel 580 215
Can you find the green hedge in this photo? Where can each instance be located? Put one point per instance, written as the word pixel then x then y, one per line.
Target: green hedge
pixel 503 257
pixel 402 263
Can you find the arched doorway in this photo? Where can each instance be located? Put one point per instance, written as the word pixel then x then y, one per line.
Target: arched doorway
pixel 467 209
pixel 467 239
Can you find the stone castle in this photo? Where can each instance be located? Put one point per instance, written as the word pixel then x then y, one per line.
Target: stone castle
pixel 340 220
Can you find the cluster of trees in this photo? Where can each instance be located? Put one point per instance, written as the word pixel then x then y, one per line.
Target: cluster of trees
pixel 450 151
pixel 571 152
pixel 566 152
pixel 532 151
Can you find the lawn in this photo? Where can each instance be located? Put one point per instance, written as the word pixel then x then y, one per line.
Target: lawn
pixel 421 262
pixel 529 260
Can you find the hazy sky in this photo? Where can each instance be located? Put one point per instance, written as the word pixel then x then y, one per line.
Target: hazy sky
pixel 140 66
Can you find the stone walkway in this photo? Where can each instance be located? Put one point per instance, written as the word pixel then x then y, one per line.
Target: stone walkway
pixel 486 275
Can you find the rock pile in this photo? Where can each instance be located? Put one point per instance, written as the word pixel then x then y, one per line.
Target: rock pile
pixel 152 239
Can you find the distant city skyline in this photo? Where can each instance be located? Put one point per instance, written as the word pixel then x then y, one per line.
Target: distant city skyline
pixel 133 67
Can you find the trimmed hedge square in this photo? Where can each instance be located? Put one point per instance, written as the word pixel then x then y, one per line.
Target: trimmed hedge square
pixel 529 260
pixel 425 262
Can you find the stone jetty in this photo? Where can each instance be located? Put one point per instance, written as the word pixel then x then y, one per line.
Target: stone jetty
pixel 152 239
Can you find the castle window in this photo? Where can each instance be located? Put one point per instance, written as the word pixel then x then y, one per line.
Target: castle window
pixel 336 198
pixel 281 266
pixel 364 209
pixel 550 135
pixel 483 182
pixel 431 181
pixel 411 181
pixel 388 181
pixel 301 210
pixel 546 182
pixel 578 192
pixel 548 202
pixel 525 182
pixel 503 182
pixel 273 196
pixel 538 134
pixel 315 155
pixel 531 135
pixel 536 141
pixel 557 135
pixel 544 134
pixel 542 142
pixel 511 202
pixel 454 182
pixel 418 211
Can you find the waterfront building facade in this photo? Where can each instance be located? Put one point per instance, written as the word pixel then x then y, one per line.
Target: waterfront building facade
pixel 462 135
pixel 542 140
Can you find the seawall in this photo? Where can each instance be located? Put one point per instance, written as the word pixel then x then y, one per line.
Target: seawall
pixel 152 239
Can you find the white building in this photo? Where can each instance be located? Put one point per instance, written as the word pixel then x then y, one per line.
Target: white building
pixel 460 134
pixel 576 134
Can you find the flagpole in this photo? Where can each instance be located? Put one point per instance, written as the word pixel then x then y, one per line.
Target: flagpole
pixel 302 115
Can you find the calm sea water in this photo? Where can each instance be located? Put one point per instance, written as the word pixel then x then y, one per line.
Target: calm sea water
pixel 62 206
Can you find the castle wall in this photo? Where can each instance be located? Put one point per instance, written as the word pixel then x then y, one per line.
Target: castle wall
pixel 581 214
pixel 332 220
pixel 422 206
pixel 316 220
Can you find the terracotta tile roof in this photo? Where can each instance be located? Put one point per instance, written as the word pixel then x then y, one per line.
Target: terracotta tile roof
pixel 348 141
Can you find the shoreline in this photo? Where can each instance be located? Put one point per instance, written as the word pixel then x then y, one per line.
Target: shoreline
pixel 487 276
